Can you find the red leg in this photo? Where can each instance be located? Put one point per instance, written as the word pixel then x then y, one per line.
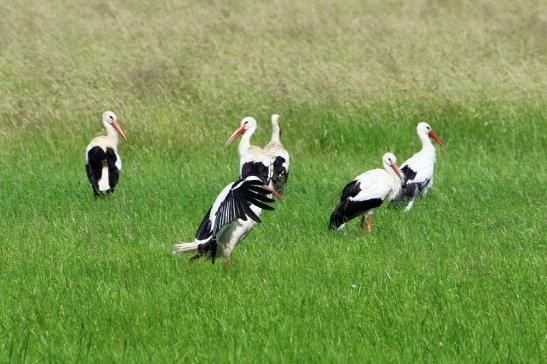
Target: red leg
pixel 369 223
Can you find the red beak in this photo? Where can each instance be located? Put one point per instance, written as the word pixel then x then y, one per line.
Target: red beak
pixel 397 171
pixel 119 130
pixel 239 131
pixel 272 191
pixel 434 136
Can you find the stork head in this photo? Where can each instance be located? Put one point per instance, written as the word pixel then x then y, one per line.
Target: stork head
pixel 275 119
pixel 110 121
pixel 390 165
pixel 424 130
pixel 248 123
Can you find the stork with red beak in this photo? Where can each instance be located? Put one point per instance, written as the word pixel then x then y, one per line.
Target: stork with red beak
pixel 102 161
pixel 418 170
pixel 252 159
pixel 367 192
pixel 234 213
pixel 279 157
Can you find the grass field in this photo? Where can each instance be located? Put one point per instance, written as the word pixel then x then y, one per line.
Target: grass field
pixel 459 279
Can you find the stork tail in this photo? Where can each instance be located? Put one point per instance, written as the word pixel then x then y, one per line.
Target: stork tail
pixel 182 248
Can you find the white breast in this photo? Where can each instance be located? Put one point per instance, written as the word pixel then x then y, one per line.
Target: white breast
pixel 377 183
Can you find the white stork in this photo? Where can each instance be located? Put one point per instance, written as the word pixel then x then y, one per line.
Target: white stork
pixel 102 161
pixel 418 170
pixel 279 157
pixel 234 213
pixel 252 159
pixel 366 193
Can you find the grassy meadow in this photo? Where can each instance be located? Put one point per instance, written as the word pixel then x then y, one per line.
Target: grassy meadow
pixel 461 278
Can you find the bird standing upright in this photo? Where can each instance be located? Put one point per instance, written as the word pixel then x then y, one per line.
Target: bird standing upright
pixel 234 213
pixel 418 170
pixel 366 193
pixel 102 161
pixel 279 157
pixel 252 159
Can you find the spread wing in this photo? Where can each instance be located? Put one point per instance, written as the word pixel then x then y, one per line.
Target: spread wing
pixel 237 203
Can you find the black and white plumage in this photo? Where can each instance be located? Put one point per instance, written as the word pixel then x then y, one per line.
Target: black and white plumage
pixel 279 157
pixel 418 170
pixel 234 213
pixel 366 193
pixel 252 159
pixel 102 161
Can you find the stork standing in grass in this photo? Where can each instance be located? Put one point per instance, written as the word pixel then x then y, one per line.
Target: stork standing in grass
pixel 418 170
pixel 279 157
pixel 363 195
pixel 252 159
pixel 102 161
pixel 234 213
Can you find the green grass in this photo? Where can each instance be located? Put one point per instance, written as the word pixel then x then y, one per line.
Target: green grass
pixel 459 279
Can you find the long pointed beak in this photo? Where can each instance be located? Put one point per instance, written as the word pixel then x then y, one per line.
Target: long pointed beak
pixel 434 136
pixel 272 191
pixel 234 135
pixel 119 130
pixel 397 171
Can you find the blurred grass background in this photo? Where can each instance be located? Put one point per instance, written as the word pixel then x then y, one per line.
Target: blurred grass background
pixel 461 278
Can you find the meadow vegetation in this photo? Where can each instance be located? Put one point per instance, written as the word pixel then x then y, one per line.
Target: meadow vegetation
pixel 460 278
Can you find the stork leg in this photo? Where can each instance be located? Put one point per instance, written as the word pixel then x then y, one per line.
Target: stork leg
pixel 363 222
pixel 409 206
pixel 226 263
pixel 369 223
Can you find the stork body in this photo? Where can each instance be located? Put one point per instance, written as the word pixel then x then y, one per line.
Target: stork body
pixel 279 157
pixel 367 192
pixel 102 161
pixel 252 159
pixel 418 170
pixel 233 214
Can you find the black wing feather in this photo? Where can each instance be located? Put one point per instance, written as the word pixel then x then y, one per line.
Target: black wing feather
pixel 257 169
pixel 409 174
pixel 279 174
pixel 96 158
pixel 238 201
pixel 350 190
pixel 348 209
pixel 113 171
pixel 205 229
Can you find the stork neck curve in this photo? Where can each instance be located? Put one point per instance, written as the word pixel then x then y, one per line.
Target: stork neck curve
pixel 427 145
pixel 245 142
pixel 276 131
pixel 390 171
pixel 112 134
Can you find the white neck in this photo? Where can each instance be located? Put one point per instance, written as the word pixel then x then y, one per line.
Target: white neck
pixel 112 134
pixel 391 172
pixel 427 145
pixel 245 142
pixel 275 133
pixel 395 182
